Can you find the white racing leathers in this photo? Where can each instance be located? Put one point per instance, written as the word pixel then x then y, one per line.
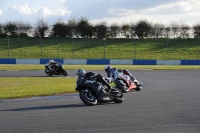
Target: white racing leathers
pixel 113 74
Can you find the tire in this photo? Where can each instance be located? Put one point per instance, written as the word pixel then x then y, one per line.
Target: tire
pixel 63 72
pixel 140 82
pixel 121 86
pixel 88 97
pixel 119 98
pixel 139 88
pixel 49 74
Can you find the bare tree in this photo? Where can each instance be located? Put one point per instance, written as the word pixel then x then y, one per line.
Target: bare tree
pixel 101 28
pixel 59 29
pixel 125 30
pixel 184 30
pixel 114 30
pixel 196 30
pixel 132 30
pixel 1 29
pixel 84 27
pixel 157 30
pixel 23 28
pixel 10 28
pixel 72 28
pixel 167 31
pixel 142 29
pixel 41 28
pixel 175 29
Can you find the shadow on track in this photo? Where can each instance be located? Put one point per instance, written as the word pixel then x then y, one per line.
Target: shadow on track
pixel 47 107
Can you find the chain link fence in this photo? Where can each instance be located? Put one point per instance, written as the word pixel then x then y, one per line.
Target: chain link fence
pixel 75 48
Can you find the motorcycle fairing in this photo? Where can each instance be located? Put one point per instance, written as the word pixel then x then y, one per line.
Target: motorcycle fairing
pixel 99 90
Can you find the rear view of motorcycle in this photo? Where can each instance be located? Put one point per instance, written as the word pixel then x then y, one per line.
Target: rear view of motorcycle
pixel 92 92
pixel 125 84
pixel 57 71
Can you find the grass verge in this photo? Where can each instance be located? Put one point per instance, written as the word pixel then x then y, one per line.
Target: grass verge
pixel 11 88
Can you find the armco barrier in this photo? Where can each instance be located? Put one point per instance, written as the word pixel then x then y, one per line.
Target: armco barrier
pixel 144 62
pixel 45 61
pixel 100 61
pixel 190 62
pixel 7 61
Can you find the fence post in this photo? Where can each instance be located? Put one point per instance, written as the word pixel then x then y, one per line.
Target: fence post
pixel 57 45
pixel 167 49
pixel 72 44
pixel 104 39
pixel 134 51
pixel 199 46
pixel 25 47
pixel 8 46
pixel 41 46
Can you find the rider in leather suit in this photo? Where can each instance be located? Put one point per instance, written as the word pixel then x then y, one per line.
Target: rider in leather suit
pixel 112 73
pixel 52 65
pixel 91 75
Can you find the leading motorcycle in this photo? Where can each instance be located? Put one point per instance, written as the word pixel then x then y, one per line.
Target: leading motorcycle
pixel 58 71
pixel 126 84
pixel 92 92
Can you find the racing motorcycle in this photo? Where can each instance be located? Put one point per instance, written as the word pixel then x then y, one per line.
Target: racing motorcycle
pixel 58 71
pixel 126 84
pixel 92 92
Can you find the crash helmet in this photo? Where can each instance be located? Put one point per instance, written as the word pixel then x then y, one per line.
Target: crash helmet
pixel 107 67
pixel 51 61
pixel 81 72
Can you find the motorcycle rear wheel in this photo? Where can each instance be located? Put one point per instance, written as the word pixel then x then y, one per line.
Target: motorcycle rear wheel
pixel 88 97
pixel 49 74
pixel 121 86
pixel 119 97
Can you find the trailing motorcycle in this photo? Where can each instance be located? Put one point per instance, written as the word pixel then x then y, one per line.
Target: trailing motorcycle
pixel 126 84
pixel 92 92
pixel 58 70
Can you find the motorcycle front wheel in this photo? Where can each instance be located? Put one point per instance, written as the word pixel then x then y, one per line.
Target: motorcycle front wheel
pixel 139 86
pixel 88 97
pixel 63 72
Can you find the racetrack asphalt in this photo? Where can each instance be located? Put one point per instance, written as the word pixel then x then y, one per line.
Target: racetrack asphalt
pixel 168 103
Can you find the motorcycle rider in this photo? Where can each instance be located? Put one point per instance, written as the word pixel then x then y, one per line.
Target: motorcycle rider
pixel 91 75
pixel 52 65
pixel 112 73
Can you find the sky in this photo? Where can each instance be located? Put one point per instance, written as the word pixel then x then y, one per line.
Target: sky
pixel 111 11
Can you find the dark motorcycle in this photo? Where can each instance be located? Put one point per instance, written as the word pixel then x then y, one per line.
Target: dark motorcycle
pixel 58 70
pixel 125 83
pixel 92 92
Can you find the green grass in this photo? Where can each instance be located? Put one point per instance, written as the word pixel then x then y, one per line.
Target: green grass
pixel 29 87
pixel 65 48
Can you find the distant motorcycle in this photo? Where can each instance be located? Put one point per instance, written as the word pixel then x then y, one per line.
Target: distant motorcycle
pixel 126 84
pixel 58 71
pixel 92 92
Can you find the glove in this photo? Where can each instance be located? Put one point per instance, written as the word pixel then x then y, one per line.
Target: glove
pixel 107 80
pixel 119 70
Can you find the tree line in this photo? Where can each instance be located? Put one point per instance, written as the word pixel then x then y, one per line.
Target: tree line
pixel 82 28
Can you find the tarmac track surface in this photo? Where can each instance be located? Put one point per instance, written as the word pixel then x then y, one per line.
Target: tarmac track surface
pixel 168 103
